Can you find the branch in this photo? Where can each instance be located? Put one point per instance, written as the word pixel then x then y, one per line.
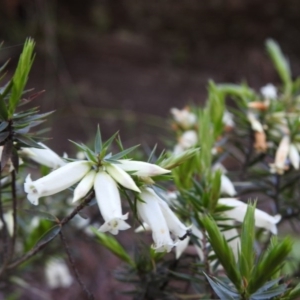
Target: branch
pixel 64 221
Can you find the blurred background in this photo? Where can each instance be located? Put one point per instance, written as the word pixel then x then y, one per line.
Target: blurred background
pixel 124 64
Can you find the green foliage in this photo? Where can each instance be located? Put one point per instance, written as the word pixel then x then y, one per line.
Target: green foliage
pixel 281 64
pixel 20 77
pixel 223 251
pixel 113 245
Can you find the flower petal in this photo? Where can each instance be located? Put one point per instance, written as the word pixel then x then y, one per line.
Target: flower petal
pixel 120 176
pixel 109 202
pixel 46 156
pixel 84 186
pixel 56 181
pixel 140 168
pixel 151 213
pixel 238 212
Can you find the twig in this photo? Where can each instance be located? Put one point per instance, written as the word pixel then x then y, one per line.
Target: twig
pixel 64 221
pixel 89 295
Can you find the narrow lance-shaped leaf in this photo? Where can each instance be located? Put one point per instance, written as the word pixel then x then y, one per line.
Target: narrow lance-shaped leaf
pixel 124 152
pixel 215 190
pixel 49 235
pixel 112 244
pixel 98 141
pixel 21 75
pixel 246 256
pixel 221 289
pixel 223 251
pixel 281 64
pixel 269 264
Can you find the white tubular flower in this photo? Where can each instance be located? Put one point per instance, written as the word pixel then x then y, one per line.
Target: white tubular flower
pixel 84 186
pixel 255 124
pixel 150 212
pixel 120 176
pixel 57 274
pixel 140 168
pixel 176 227
pixel 184 117
pixel 227 187
pixel 45 157
pixel 294 156
pixel 109 202
pixel 269 91
pixel 56 181
pixel 239 209
pixel 282 152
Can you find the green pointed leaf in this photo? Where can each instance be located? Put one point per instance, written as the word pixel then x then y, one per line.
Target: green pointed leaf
pixel 98 141
pixel 48 236
pixel 21 75
pixel 107 143
pixel 222 250
pixel 269 294
pixel 246 258
pixel 123 153
pixel 27 141
pixel 281 64
pixel 113 245
pixel 222 291
pixel 41 214
pixel 294 293
pixel 269 263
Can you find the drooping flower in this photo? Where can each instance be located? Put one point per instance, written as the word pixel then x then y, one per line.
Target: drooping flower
pixel 150 212
pixel 56 181
pixel 46 156
pixel 184 118
pixel 109 202
pixel 239 209
pixel 57 274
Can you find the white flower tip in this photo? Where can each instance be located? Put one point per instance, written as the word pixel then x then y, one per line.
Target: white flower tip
pixel 32 194
pixel 277 218
pixel 114 225
pixel 163 247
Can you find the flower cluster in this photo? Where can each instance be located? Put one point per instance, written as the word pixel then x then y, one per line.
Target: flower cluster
pixel 274 122
pixel 105 178
pixel 105 182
